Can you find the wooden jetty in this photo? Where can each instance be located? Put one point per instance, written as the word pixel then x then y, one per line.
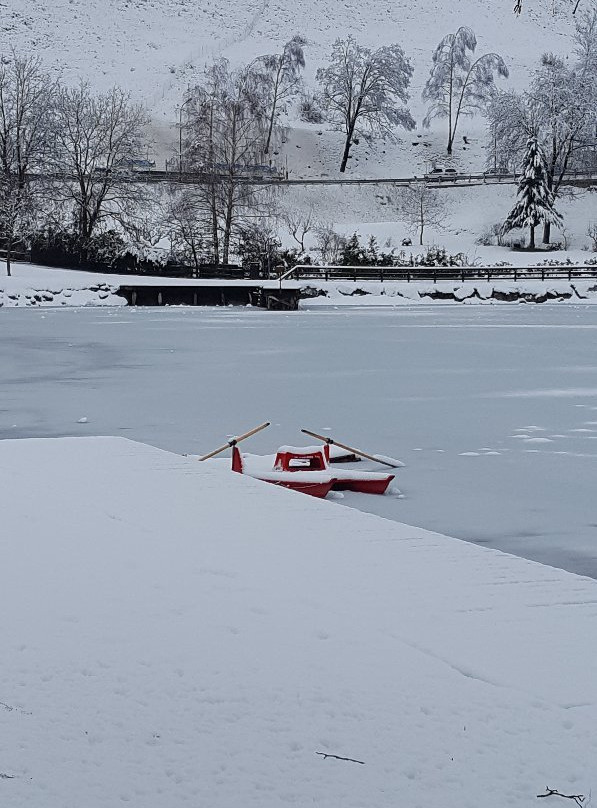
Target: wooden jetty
pixel 221 294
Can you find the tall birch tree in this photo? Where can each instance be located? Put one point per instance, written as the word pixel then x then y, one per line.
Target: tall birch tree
pixel 458 84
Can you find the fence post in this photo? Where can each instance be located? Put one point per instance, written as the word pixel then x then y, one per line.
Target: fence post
pixel 381 274
pixel 542 273
pixel 488 274
pixel 434 275
pixel 462 274
pixel 569 273
pixel 515 274
pixel 408 275
pixel 354 274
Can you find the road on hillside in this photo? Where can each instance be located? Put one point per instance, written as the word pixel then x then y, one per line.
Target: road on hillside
pixel 579 179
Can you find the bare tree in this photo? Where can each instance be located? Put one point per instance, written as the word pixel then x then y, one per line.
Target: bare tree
pixel 258 242
pixel 96 140
pixel 188 226
pixel 329 243
pixel 421 206
pixel 26 104
pixel 225 124
pixel 457 85
pixel 300 222
pixel 362 91
pixel 281 75
pixel 16 217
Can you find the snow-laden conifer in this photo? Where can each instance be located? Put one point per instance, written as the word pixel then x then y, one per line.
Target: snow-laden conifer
pixel 535 200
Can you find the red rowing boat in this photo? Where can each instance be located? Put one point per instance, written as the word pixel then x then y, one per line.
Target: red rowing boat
pixel 307 469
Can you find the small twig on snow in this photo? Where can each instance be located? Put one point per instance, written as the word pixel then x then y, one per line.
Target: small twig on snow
pixel 4 776
pixel 553 792
pixel 337 757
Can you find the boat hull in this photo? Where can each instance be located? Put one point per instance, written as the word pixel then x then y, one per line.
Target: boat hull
pixel 363 486
pixel 319 490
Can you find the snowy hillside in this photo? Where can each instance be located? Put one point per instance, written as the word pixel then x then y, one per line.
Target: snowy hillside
pixel 155 48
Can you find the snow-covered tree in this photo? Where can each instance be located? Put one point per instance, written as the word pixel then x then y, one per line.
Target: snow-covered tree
pixel 225 123
pixel 96 139
pixel 458 84
pixel 26 111
pixel 535 200
pixel 560 107
pixel 281 74
pixel 585 40
pixel 421 206
pixel 364 92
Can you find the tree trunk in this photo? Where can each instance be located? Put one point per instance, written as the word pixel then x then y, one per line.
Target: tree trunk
pixel 195 259
pixel 8 252
pixel 214 226
pixel 270 129
pixel 228 225
pixel 345 155
pixel 532 241
pixel 550 173
pixel 450 91
pixel 347 148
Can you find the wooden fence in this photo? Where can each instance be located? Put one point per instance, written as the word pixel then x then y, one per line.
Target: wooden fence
pixel 438 273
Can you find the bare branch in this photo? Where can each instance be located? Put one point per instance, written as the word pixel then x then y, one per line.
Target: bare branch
pixel 338 757
pixel 553 792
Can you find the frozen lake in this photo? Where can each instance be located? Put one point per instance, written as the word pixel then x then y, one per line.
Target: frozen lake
pixel 493 409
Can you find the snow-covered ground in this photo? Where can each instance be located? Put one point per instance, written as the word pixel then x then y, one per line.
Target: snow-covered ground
pixel 493 409
pixel 175 634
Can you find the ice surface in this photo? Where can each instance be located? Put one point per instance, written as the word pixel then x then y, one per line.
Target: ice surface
pixel 175 634
pixel 425 379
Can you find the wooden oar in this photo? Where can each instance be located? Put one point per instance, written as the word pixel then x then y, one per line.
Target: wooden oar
pixel 234 441
pixel 348 448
